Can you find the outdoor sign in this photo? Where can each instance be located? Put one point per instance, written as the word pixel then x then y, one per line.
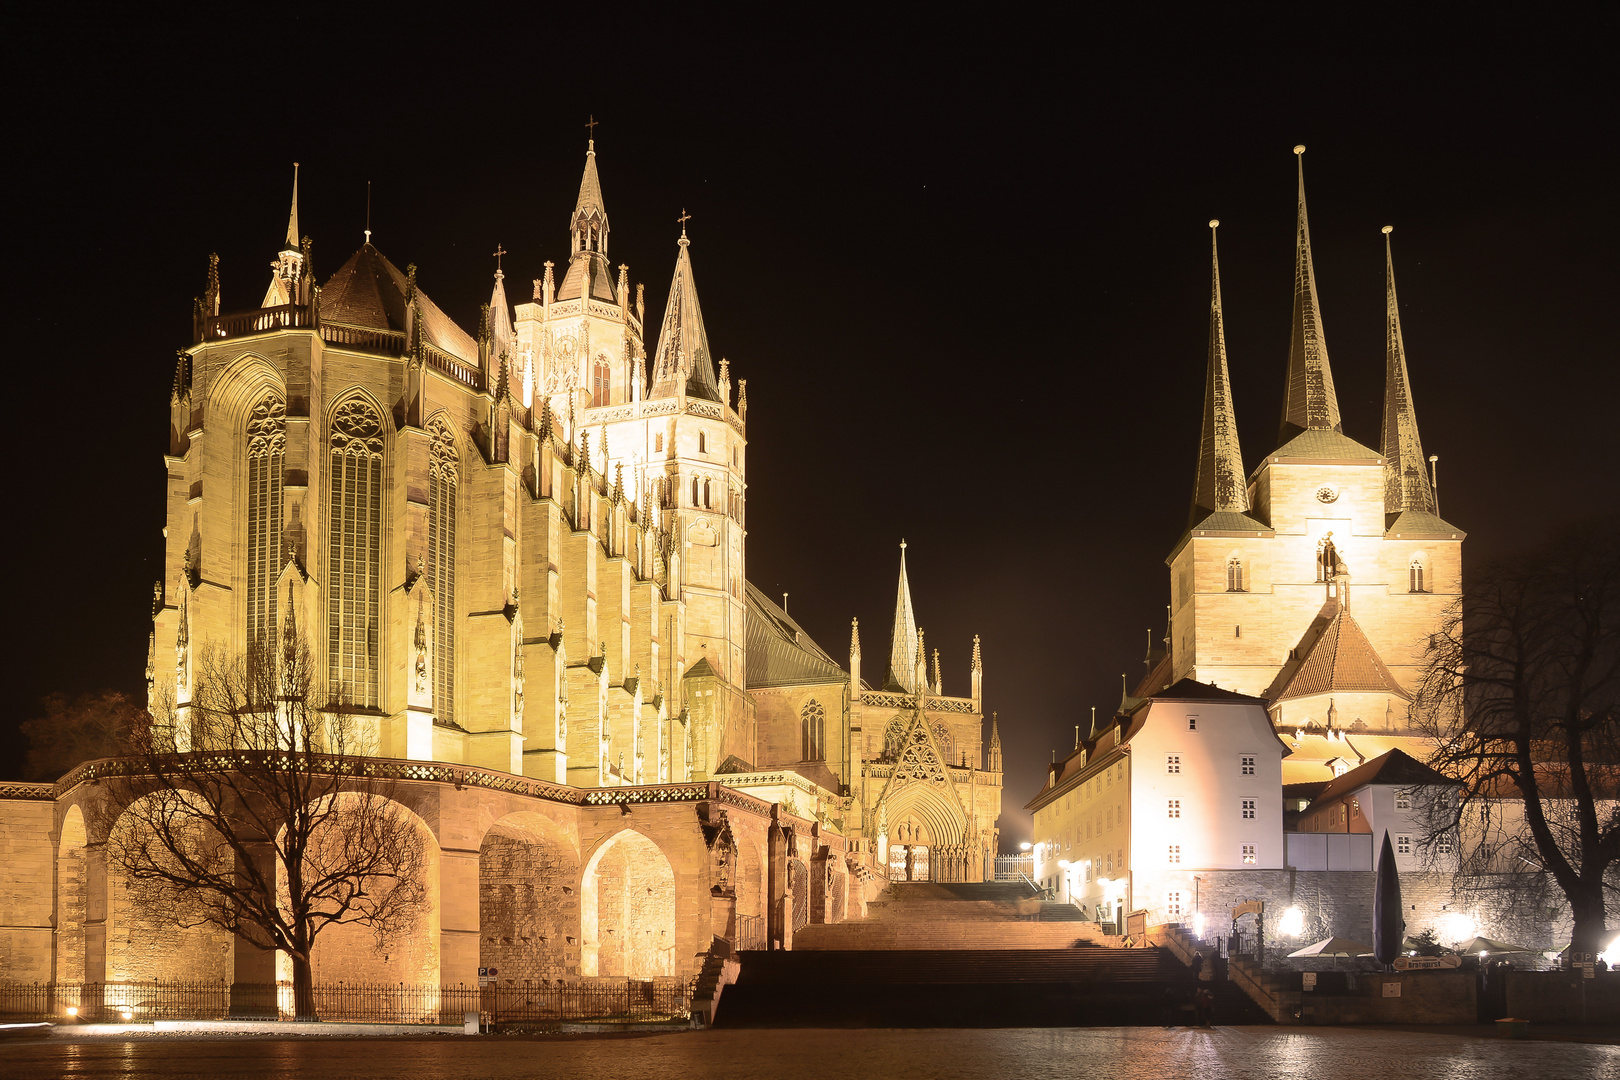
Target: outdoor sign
pixel 1248 907
pixel 1310 980
pixel 1392 989
pixel 486 975
pixel 1426 963
pixel 1136 924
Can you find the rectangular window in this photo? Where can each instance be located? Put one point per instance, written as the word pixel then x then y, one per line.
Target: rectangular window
pixel 1246 764
pixel 1192 723
pixel 1355 808
pixel 1250 855
pixel 1403 800
pixel 1175 854
pixel 1172 903
pixel 1110 864
pixel 1248 809
pixel 1172 763
pixel 658 443
pixel 1175 808
pixel 1403 844
pixel 1088 869
pixel 1443 846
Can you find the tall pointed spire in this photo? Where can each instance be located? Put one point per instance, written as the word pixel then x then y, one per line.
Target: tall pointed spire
pixel 292 218
pixel 903 641
pixel 1220 483
pixel 500 313
pixel 1406 481
pixel 588 272
pixel 1309 400
pixel 683 343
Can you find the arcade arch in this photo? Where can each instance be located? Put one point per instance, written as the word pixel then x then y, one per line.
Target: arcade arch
pixel 627 909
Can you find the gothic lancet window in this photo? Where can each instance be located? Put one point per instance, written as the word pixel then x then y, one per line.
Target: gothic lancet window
pixel 1417 582
pixel 695 491
pixel 813 719
pixel 354 560
pixel 1234 574
pixel 441 564
pixel 601 381
pixel 266 454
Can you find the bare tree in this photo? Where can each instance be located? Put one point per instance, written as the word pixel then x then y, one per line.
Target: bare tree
pixel 269 828
pixel 81 727
pixel 1520 697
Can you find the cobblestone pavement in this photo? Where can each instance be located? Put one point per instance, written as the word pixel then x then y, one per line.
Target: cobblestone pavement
pixel 980 1054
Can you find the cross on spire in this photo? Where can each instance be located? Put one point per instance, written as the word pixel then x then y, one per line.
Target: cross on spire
pixel 683 219
pixel 590 126
pixel 499 251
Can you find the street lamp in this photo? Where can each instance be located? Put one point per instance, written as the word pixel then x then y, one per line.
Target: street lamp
pixel 1025 846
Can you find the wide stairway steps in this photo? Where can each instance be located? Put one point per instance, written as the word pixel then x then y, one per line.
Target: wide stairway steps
pixel 964 988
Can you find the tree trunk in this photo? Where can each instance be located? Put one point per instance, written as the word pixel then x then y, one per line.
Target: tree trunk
pixel 303 988
pixel 1589 934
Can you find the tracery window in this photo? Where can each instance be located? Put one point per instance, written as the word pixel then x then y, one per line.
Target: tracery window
pixel 1415 572
pixel 601 382
pixel 813 721
pixel 354 562
pixel 441 563
pixel 266 456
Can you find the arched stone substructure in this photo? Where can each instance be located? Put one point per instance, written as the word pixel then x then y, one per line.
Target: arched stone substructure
pixel 146 940
pixel 528 907
pixel 351 953
pixel 72 898
pixel 627 909
pixel 799 886
pixel 751 884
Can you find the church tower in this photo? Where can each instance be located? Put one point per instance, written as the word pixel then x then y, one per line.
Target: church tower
pixel 1317 583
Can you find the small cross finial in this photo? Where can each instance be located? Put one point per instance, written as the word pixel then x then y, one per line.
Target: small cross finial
pixel 683 219
pixel 590 126
pixel 499 251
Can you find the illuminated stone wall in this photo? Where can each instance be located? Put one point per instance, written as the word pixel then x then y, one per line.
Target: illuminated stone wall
pixel 528 912
pixel 27 888
pixel 636 909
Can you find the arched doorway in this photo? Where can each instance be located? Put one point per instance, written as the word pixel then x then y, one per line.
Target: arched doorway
pixel 528 912
pixel 627 909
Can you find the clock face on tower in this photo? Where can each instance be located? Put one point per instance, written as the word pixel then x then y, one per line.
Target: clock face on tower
pixel 1327 493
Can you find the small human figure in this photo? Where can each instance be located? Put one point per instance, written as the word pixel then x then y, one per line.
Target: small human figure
pixel 1203 1002
pixel 1198 965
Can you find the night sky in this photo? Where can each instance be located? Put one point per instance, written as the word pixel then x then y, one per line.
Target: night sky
pixel 964 268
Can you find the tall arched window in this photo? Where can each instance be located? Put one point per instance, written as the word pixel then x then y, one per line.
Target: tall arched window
pixel 1417 582
pixel 601 381
pixel 942 735
pixel 813 720
pixel 703 443
pixel 706 494
pixel 266 454
pixel 695 491
pixel 354 561
pixel 1234 574
pixel 441 564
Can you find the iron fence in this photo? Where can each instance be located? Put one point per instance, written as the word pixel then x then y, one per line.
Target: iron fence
pixel 750 932
pixel 521 1004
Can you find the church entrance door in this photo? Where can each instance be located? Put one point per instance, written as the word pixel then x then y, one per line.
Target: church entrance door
pixel 908 862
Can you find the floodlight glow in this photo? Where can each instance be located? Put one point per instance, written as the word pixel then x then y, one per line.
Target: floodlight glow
pixel 1611 955
pixel 1025 846
pixel 127 1014
pixel 1460 927
pixel 73 1010
pixel 1198 924
pixel 1292 923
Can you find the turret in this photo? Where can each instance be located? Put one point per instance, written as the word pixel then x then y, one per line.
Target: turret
pixel 682 362
pixel 977 677
pixel 855 658
pixel 994 764
pixel 288 269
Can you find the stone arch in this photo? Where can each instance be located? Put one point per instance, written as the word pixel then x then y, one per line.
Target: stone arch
pixel 148 936
pixel 350 952
pixel 930 808
pixel 751 883
pixel 627 909
pixel 72 898
pixel 528 907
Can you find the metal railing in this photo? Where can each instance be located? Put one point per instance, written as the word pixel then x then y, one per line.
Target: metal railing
pixel 750 932
pixel 521 1004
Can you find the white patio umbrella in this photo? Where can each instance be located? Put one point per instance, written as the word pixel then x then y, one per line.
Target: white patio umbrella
pixel 1333 946
pixel 1482 946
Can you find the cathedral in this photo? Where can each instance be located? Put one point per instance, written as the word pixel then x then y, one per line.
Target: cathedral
pixel 518 558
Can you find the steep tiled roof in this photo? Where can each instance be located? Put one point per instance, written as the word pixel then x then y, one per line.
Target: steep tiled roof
pixel 369 291
pixel 1190 690
pixel 1334 655
pixel 780 653
pixel 1393 767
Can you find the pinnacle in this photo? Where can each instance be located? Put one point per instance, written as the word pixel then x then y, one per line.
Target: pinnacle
pixel 1221 484
pixel 1309 400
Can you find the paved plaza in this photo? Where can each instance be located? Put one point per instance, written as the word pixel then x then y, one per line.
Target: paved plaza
pixel 1238 1053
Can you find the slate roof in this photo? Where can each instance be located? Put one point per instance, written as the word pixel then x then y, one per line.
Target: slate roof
pixel 780 653
pixel 1334 655
pixel 369 291
pixel 1191 690
pixel 1420 524
pixel 1324 444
